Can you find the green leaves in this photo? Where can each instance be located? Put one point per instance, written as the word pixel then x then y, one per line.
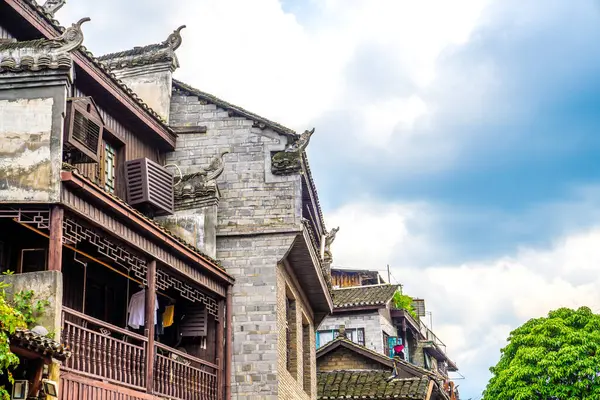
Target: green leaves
pixel 551 358
pixel 20 312
pixel 404 302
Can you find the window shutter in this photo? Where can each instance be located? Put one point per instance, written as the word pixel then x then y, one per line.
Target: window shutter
pixel 195 322
pixel 83 131
pixel 149 184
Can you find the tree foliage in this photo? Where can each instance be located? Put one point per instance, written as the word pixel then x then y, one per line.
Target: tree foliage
pixel 404 302
pixel 19 312
pixel 553 358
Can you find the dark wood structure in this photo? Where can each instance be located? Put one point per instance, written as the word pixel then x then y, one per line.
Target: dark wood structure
pixel 109 250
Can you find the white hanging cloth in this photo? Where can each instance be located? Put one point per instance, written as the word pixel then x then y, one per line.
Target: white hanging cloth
pixel 136 310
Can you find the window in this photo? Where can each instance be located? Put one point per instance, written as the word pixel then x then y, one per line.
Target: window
pixel 306 355
pixel 291 341
pixel 387 349
pixel 109 167
pixel 357 335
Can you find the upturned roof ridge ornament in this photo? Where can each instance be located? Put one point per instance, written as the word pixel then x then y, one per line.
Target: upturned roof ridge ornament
pixel 71 38
pixel 200 184
pixel 174 40
pixel 301 143
pixel 52 6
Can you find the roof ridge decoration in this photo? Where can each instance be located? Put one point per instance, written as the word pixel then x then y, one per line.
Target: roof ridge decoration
pixel 47 17
pixel 199 187
pixel 289 160
pixel 146 55
pixel 52 6
pixel 38 54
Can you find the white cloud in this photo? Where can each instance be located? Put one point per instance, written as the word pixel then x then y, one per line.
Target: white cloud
pixel 258 56
pixel 474 305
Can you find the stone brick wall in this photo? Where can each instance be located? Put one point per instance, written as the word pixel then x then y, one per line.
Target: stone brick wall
pixel 291 385
pixel 344 359
pixel 259 215
pixel 253 200
pixel 369 320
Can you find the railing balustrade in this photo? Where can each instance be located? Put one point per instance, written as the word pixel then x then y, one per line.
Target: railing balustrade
pixel 104 351
pixel 177 374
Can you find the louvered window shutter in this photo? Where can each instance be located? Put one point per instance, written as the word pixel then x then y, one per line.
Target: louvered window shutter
pixel 195 322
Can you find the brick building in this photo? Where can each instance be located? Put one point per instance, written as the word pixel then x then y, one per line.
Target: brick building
pixel 244 194
pixel 349 370
pixel 371 319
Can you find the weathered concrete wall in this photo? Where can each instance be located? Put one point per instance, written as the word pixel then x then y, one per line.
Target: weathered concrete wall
pixel 32 109
pixel 197 227
pixel 152 83
pixel 46 285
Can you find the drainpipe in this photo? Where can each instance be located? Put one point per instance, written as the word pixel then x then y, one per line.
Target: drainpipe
pixel 229 342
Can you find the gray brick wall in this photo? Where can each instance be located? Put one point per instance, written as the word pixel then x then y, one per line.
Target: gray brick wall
pixel 257 216
pixel 252 199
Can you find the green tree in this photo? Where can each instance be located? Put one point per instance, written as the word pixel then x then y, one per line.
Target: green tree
pixel 553 358
pixel 10 319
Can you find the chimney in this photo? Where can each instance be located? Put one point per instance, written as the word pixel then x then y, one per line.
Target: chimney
pixel 148 71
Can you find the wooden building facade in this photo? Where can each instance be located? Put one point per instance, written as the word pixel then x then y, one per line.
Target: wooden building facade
pixel 144 314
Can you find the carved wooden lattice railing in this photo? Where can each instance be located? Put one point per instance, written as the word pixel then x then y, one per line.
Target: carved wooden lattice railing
pixel 103 350
pixel 179 375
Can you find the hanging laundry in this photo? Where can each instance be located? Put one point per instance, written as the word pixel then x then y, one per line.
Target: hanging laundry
pixel 136 310
pixel 168 316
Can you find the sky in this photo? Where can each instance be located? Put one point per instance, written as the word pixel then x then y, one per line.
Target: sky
pixel 455 141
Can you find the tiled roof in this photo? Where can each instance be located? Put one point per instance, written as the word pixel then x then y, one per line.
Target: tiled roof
pixel 258 120
pixel 360 296
pixel 26 339
pixel 75 172
pixel 370 385
pixel 48 17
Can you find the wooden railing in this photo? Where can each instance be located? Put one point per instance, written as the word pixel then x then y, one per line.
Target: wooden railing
pixel 104 350
pixel 116 355
pixel 179 375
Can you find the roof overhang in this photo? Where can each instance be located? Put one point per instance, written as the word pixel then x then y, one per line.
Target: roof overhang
pixel 304 262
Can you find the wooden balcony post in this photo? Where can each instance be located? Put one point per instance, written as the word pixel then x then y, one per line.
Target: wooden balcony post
pixel 228 342
pixel 150 312
pixel 56 238
pixel 220 349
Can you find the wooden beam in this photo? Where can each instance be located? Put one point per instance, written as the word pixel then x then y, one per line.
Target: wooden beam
pixel 220 349
pixel 150 321
pixel 56 238
pixel 429 390
pixel 228 342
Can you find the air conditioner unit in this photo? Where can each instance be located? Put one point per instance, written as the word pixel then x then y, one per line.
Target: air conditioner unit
pixel 149 186
pixel 83 131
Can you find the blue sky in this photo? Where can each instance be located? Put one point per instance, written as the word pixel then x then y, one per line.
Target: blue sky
pixel 456 142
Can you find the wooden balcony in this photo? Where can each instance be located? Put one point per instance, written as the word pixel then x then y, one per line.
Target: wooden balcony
pixel 108 353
